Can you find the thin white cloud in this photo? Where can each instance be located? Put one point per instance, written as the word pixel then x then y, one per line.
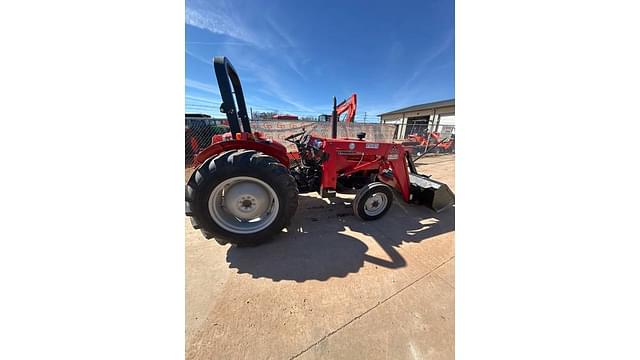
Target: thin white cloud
pixel 198 99
pixel 222 21
pixel 216 43
pixel 267 77
pixel 219 18
pixel 194 84
pixel 422 66
pixel 298 105
pixel 218 22
pixel 294 66
pixel 198 57
pixel 287 39
pixel 275 89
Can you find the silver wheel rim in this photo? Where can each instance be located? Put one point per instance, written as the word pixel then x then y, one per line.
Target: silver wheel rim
pixel 243 205
pixel 375 204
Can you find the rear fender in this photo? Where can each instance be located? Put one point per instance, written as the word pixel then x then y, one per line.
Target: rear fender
pixel 270 148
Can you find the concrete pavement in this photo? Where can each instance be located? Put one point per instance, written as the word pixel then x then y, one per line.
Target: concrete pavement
pixel 331 286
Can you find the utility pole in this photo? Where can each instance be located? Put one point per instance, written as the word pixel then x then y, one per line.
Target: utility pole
pixel 365 116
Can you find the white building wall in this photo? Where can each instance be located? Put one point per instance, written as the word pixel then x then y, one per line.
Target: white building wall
pixel 447 120
pixel 446 114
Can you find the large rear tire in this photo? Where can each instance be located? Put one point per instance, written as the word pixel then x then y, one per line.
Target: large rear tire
pixel 241 197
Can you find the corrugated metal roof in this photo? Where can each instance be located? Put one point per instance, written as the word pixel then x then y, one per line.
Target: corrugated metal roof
pixel 427 106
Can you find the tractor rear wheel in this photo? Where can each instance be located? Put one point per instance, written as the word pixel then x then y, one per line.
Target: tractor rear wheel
pixel 373 201
pixel 241 197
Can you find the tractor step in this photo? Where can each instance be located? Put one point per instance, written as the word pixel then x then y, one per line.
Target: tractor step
pixel 432 193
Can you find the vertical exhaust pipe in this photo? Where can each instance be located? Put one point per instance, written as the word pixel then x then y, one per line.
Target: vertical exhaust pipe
pixel 334 120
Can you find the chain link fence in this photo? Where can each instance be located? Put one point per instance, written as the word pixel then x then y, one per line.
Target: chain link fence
pixel 421 138
pixel 199 131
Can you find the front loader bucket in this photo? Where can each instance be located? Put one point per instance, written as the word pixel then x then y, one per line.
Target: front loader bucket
pixel 434 194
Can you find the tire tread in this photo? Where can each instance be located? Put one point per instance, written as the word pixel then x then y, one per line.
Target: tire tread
pixel 224 165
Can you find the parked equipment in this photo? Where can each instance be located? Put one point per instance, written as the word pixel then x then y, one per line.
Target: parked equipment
pixel 198 132
pixel 285 117
pixel 349 106
pixel 430 142
pixel 245 188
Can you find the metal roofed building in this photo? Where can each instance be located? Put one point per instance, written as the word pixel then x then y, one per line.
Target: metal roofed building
pixel 436 116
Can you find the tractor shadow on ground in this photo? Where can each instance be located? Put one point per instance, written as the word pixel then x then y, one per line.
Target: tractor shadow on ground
pixel 327 240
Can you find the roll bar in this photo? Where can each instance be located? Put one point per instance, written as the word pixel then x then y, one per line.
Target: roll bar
pixel 225 72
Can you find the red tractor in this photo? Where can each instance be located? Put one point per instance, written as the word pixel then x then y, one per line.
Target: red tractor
pixel 430 142
pixel 245 188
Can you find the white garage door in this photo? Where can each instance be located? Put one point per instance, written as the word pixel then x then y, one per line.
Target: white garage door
pixel 447 125
pixel 447 119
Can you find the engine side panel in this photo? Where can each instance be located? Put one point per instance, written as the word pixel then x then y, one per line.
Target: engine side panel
pixel 345 157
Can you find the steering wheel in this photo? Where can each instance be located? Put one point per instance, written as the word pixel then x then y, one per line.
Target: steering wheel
pixel 298 138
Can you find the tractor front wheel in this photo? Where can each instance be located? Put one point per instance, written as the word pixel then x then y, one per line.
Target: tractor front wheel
pixel 372 201
pixel 242 197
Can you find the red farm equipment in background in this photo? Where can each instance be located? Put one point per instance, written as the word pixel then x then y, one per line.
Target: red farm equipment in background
pixel 245 188
pixel 285 117
pixel 349 106
pixel 430 142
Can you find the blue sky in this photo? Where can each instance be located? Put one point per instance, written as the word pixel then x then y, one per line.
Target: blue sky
pixel 293 56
